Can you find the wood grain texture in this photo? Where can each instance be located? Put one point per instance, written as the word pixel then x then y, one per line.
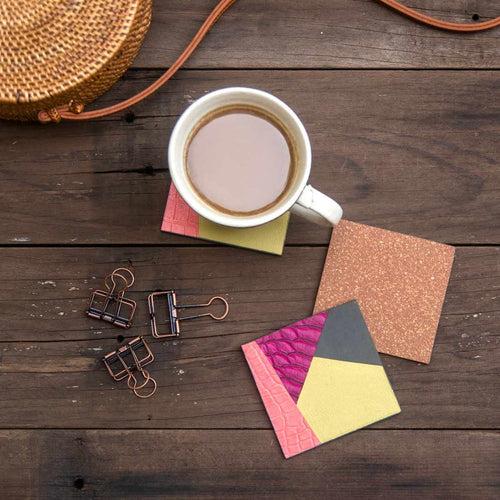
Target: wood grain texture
pixel 50 352
pixel 412 151
pixel 320 34
pixel 247 464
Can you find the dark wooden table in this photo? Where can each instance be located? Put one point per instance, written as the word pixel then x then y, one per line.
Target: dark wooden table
pixel 404 123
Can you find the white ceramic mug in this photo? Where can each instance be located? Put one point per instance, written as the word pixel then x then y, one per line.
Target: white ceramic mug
pixel 300 197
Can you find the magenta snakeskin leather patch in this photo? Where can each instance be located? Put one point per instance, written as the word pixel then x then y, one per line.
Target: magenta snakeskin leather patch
pixel 291 349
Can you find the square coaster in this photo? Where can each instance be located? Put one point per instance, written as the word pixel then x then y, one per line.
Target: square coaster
pixel 320 378
pixel 180 218
pixel 399 282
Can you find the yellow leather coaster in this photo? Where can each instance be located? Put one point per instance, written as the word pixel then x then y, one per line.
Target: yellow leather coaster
pixel 339 397
pixel 268 238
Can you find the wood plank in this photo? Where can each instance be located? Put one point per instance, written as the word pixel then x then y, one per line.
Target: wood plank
pixel 51 374
pixel 413 151
pixel 326 34
pixel 243 464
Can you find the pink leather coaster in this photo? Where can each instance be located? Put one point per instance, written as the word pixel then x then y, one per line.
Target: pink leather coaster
pixel 399 282
pixel 179 217
pixel 292 431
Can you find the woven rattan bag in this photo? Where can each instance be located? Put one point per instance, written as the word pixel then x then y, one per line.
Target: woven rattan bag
pixel 56 56
pixel 56 51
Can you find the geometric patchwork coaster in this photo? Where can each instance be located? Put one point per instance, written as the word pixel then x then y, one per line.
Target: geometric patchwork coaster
pixel 341 387
pixel 180 218
pixel 398 280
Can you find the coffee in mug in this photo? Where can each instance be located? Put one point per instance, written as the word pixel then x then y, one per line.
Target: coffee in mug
pixel 240 160
pixel 240 157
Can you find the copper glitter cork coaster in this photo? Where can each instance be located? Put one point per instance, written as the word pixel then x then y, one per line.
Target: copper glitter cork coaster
pixel 398 280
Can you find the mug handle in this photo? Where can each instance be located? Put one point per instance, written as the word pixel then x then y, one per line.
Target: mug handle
pixel 317 207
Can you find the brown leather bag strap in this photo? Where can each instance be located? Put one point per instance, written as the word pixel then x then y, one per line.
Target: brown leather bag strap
pixel 437 23
pixel 74 111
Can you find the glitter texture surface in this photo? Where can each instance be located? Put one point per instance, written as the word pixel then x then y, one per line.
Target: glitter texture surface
pixel 399 282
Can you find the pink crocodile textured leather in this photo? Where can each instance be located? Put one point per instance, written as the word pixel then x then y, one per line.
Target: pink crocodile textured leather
pixel 291 349
pixel 179 217
pixel 293 432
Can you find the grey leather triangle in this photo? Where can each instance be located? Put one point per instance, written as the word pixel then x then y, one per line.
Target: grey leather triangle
pixel 346 337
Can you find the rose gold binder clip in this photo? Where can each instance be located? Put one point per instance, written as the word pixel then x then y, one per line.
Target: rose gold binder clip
pixel 128 362
pixel 111 305
pixel 172 308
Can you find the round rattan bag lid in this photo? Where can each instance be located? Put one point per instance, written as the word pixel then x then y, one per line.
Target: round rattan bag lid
pixel 56 51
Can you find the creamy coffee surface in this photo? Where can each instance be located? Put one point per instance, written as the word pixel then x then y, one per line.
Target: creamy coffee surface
pixel 239 161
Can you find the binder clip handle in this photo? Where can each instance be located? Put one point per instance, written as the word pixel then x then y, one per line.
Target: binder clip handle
pixel 121 272
pixel 209 314
pixel 133 385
